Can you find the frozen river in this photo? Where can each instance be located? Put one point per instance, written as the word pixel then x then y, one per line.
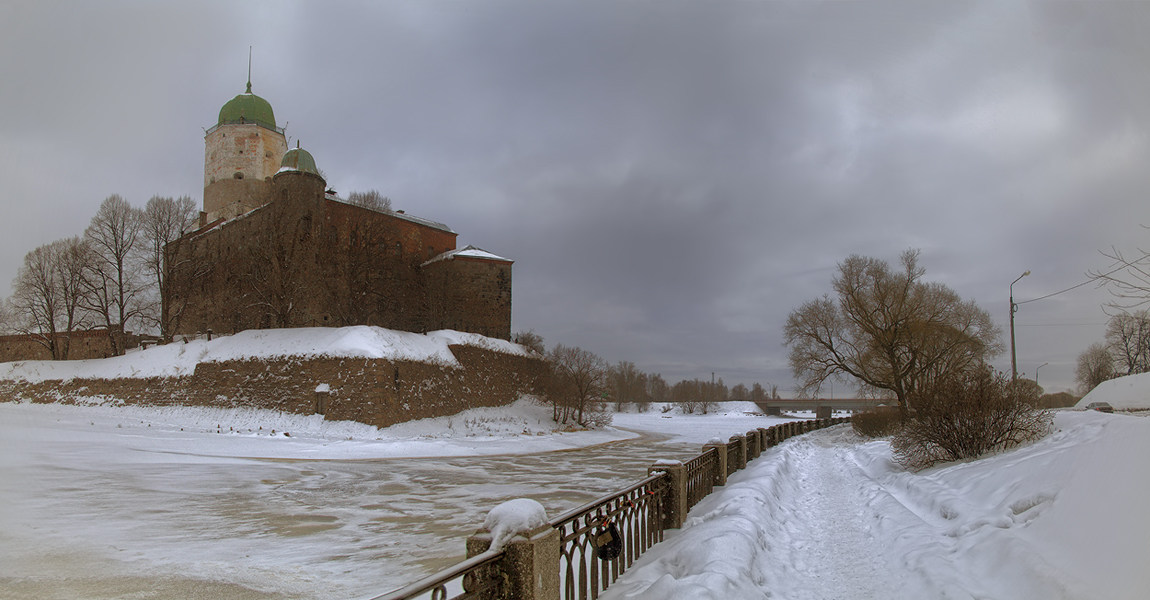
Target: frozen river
pixel 95 511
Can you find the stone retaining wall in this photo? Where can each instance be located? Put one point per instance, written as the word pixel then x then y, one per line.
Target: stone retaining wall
pixel 374 391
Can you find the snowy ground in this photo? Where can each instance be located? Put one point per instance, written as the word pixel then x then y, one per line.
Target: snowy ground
pixel 108 501
pixel 828 515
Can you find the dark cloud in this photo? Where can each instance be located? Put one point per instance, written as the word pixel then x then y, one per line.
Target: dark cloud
pixel 671 178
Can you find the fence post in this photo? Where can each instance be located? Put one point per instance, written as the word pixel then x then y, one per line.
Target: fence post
pixel 741 440
pixel 530 565
pixel 675 502
pixel 720 468
pixel 753 445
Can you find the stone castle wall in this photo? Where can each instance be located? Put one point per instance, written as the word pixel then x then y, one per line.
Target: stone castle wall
pixel 470 294
pixel 334 265
pixel 81 345
pixel 373 391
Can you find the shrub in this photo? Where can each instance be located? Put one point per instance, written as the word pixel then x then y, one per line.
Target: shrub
pixel 966 416
pixel 880 422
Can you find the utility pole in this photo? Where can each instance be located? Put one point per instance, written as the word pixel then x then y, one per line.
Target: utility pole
pixel 1013 309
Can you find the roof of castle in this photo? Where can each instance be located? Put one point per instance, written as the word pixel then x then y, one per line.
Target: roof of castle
pixel 248 108
pixel 470 252
pixel 404 216
pixel 298 159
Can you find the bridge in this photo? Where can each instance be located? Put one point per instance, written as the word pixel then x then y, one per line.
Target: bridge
pixel 818 406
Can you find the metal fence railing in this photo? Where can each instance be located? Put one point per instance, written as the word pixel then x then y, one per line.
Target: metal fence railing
pixel 600 540
pixel 473 578
pixel 700 476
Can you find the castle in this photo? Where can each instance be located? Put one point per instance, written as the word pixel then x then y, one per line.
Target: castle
pixel 276 248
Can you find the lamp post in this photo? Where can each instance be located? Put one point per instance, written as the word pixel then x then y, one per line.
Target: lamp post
pixel 1036 372
pixel 1013 307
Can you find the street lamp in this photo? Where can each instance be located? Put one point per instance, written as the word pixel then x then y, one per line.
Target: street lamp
pixel 1036 372
pixel 1013 308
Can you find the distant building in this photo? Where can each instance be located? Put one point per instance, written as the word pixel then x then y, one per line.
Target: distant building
pixel 274 249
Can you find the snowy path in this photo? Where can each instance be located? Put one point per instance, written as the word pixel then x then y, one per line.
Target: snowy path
pixel 834 553
pixel 828 516
pixel 797 524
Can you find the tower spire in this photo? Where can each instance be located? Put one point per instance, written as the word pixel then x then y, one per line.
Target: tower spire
pixel 249 69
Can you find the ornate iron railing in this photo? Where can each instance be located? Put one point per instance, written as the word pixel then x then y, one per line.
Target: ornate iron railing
pixel 600 540
pixel 700 476
pixel 586 565
pixel 475 577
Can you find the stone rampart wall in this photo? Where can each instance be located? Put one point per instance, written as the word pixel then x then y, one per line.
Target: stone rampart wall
pixel 373 391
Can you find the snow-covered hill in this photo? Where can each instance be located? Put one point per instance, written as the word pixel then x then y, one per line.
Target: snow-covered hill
pixel 1131 392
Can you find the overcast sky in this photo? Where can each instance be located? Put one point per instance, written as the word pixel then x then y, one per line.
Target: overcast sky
pixel 671 178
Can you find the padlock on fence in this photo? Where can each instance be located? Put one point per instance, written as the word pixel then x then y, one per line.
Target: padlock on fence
pixel 607 541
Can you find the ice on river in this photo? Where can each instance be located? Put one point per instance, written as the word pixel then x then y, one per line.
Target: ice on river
pixel 120 501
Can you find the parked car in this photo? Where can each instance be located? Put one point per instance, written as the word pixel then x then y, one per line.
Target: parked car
pixel 1100 407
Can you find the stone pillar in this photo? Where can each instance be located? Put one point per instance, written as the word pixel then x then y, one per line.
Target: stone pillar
pixel 721 467
pixel 754 445
pixel 530 565
pixel 675 500
pixel 741 440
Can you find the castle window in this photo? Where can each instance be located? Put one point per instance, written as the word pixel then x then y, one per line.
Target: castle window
pixel 238 175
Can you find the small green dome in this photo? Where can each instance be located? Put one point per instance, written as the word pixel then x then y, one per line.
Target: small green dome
pixel 298 159
pixel 248 108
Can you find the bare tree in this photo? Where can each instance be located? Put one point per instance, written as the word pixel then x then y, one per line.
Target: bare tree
pixel 1095 365
pixel 578 383
pixel 1127 280
pixel 114 282
pixel 47 294
pixel 627 384
pixel 371 199
pixel 165 220
pixel 657 388
pixel 740 392
pixel 280 262
pixel 687 394
pixel 74 257
pixel 1128 340
pixel 757 392
pixel 7 318
pixel 531 340
pixel 888 330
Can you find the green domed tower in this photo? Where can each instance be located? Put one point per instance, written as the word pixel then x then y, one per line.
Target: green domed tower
pixel 298 159
pixel 241 154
